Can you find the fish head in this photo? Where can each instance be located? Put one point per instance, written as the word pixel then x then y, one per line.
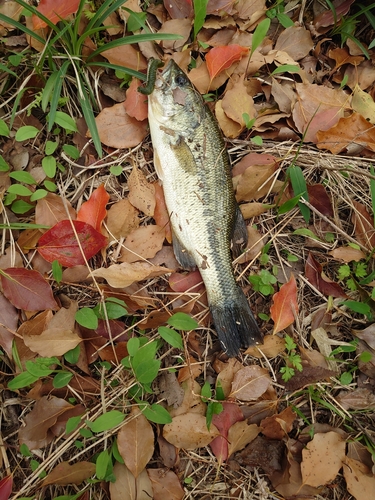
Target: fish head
pixel 175 102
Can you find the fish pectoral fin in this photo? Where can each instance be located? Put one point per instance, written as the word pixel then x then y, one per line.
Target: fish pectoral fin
pixel 157 165
pixel 183 257
pixel 239 234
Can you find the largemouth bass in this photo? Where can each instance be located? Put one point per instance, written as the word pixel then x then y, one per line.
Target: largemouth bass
pixel 193 164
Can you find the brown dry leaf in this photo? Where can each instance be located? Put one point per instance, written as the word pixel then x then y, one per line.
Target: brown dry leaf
pixel 363 103
pixel 255 243
pixel 14 11
pixel 342 56
pixel 52 209
pixel 192 370
pixel 64 473
pixel 143 243
pixel 253 159
pixel 309 375
pixel 237 101
pixel 253 209
pixel 354 129
pixel 165 485
pixel 8 324
pixel 347 254
pixel 255 182
pixel 284 308
pixel 250 383
pixel 178 27
pixel 240 434
pixel 126 56
pixel 229 127
pixel 363 225
pixel 359 399
pixel 128 131
pixel 135 442
pixel 35 434
pixel 322 458
pixel 272 347
pixel 125 274
pixel 192 402
pixel 314 273
pixel 122 219
pixel 359 480
pixel 368 335
pixel 161 214
pixel 278 426
pixel 284 95
pixel 226 373
pixel 141 192
pixel 263 453
pixel 135 103
pixel 127 486
pixel 319 199
pixel 296 41
pixel 52 342
pixel 189 431
pixel 200 78
pixel 318 108
pixel 169 389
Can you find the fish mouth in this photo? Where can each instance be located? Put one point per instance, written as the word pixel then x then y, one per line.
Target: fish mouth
pixel 166 77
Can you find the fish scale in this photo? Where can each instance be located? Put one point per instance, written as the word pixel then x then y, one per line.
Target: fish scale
pixel 192 162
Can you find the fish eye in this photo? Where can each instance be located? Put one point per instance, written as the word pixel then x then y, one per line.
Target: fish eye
pixel 181 80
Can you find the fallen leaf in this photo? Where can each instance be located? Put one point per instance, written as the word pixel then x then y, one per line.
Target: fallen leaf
pixel 329 17
pixel 143 243
pixel 250 383
pixel 189 431
pixel 255 182
pixel 125 274
pixel 342 56
pixel 226 375
pixel 255 243
pixel 8 324
pixel 192 402
pixel 237 101
pixel 223 422
pixel 272 347
pixel 135 442
pixel 347 254
pixel 65 474
pixel 161 214
pixel 122 219
pixel 129 487
pixel 354 129
pixel 220 58
pixel 6 486
pixel 363 103
pixel 94 211
pixel 141 192
pixel 54 10
pixel 165 484
pixel 229 127
pixel 363 225
pixel 359 480
pixel 310 375
pixel 319 199
pixel 359 399
pixel 126 56
pixel 296 41
pixel 278 426
pixel 314 273
pixel 322 458
pixel 68 240
pixel 52 209
pixel 127 133
pixel 35 434
pixel 27 290
pixel 186 282
pixel 253 209
pixel 368 335
pixel 52 342
pixel 263 453
pixel 135 103
pixel 179 9
pixel 284 308
pixel 240 434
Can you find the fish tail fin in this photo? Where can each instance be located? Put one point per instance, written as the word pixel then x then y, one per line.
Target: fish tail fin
pixel 235 323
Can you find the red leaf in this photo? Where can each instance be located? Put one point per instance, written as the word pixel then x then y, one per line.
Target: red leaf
pixel 135 103
pixel 27 290
pixel 54 10
pixel 313 271
pixel 220 58
pixel 285 306
pixel 6 487
pixel 61 243
pixel 93 211
pixel 223 421
pixel 319 199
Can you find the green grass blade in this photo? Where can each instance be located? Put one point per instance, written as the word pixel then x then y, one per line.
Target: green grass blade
pixel 116 67
pixel 299 188
pixel 260 34
pixel 88 114
pixel 56 94
pixel 372 190
pixel 146 37
pixel 21 27
pixel 35 11
pixel 200 11
pixel 103 12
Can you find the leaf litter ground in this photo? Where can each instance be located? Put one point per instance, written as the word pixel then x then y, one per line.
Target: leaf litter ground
pixel 272 436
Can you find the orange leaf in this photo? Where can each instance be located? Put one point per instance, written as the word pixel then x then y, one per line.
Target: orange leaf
pixel 220 58
pixel 284 305
pixel 93 211
pixel 54 10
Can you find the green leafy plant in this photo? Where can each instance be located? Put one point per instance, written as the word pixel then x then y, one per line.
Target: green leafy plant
pixel 277 10
pixel 40 368
pixel 292 359
pixel 263 282
pixel 214 407
pixel 63 57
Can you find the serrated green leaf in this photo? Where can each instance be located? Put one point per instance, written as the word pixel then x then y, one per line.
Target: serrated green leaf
pixel 107 421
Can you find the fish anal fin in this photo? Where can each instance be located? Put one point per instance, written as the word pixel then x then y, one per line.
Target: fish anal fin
pixel 183 257
pixel 239 234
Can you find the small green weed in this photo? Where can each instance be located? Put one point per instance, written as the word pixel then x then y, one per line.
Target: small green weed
pixel 277 10
pixel 263 282
pixel 293 360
